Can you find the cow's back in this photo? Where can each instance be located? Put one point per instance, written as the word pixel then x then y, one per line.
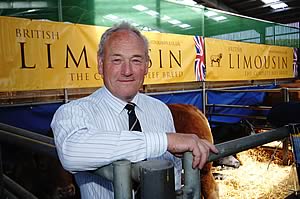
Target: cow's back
pixel 189 119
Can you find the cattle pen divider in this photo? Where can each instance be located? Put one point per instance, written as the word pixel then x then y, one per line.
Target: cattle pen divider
pixel 285 93
pixel 122 173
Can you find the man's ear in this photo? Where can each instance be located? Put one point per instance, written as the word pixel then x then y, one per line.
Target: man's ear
pixel 100 65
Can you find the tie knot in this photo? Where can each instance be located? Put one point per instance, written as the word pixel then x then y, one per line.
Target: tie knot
pixel 134 124
pixel 130 107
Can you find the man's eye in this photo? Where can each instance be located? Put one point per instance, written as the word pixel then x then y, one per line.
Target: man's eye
pixel 116 61
pixel 136 61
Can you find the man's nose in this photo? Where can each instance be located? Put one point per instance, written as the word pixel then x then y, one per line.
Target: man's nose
pixel 126 68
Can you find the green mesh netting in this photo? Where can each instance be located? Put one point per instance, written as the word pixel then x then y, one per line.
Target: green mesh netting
pixel 154 15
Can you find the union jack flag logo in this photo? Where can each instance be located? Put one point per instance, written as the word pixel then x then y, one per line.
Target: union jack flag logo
pixel 199 67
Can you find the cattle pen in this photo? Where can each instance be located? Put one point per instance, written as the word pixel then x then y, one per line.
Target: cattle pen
pixel 121 177
pixel 202 53
pixel 186 95
pixel 263 108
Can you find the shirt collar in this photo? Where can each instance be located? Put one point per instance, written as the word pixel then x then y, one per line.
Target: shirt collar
pixel 116 103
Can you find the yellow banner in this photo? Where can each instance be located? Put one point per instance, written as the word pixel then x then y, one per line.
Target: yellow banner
pixel 230 61
pixel 38 55
pixel 172 58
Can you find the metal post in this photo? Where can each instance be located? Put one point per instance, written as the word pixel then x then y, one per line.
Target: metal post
pixel 157 180
pixel 158 10
pixel 60 18
pixel 285 93
pixel 59 10
pixel 285 142
pixel 295 141
pixel 1 174
pixel 191 177
pixel 122 179
pixel 66 99
pixel 204 98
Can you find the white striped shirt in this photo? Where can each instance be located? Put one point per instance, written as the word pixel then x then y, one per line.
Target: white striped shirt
pixel 93 131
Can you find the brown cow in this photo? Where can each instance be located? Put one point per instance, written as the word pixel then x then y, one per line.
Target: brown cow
pixel 189 119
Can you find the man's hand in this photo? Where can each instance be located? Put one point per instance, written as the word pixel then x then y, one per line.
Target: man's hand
pixel 179 143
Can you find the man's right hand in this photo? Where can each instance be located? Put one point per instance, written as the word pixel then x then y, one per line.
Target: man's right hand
pixel 179 143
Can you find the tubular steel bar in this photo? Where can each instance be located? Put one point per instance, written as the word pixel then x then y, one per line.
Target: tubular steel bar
pixel 191 177
pixel 66 97
pixel 18 190
pixel 30 104
pixel 26 133
pixel 230 90
pixel 243 90
pixel 204 97
pixel 27 142
pixel 122 179
pixel 251 141
pixel 34 141
pixel 107 171
pixel 251 107
pixel 9 195
pixel 59 10
pixel 240 116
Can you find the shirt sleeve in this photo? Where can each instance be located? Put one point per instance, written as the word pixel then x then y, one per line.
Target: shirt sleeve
pixel 81 146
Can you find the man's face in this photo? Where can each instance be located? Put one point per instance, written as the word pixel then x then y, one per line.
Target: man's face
pixel 124 64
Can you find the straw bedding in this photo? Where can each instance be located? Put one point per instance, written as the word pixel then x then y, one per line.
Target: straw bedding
pixel 259 177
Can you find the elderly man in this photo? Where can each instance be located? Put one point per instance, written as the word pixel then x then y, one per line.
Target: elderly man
pixel 98 129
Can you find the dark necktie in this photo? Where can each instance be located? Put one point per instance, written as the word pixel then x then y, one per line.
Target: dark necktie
pixel 134 124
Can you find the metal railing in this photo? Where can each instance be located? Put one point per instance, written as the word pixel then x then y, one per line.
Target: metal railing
pixel 285 97
pixel 122 172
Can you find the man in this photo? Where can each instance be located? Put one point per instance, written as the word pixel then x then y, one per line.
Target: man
pixel 93 131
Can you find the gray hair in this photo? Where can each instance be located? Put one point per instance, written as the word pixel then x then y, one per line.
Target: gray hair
pixel 117 27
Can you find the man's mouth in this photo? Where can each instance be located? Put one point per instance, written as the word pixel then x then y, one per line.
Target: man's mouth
pixel 126 80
